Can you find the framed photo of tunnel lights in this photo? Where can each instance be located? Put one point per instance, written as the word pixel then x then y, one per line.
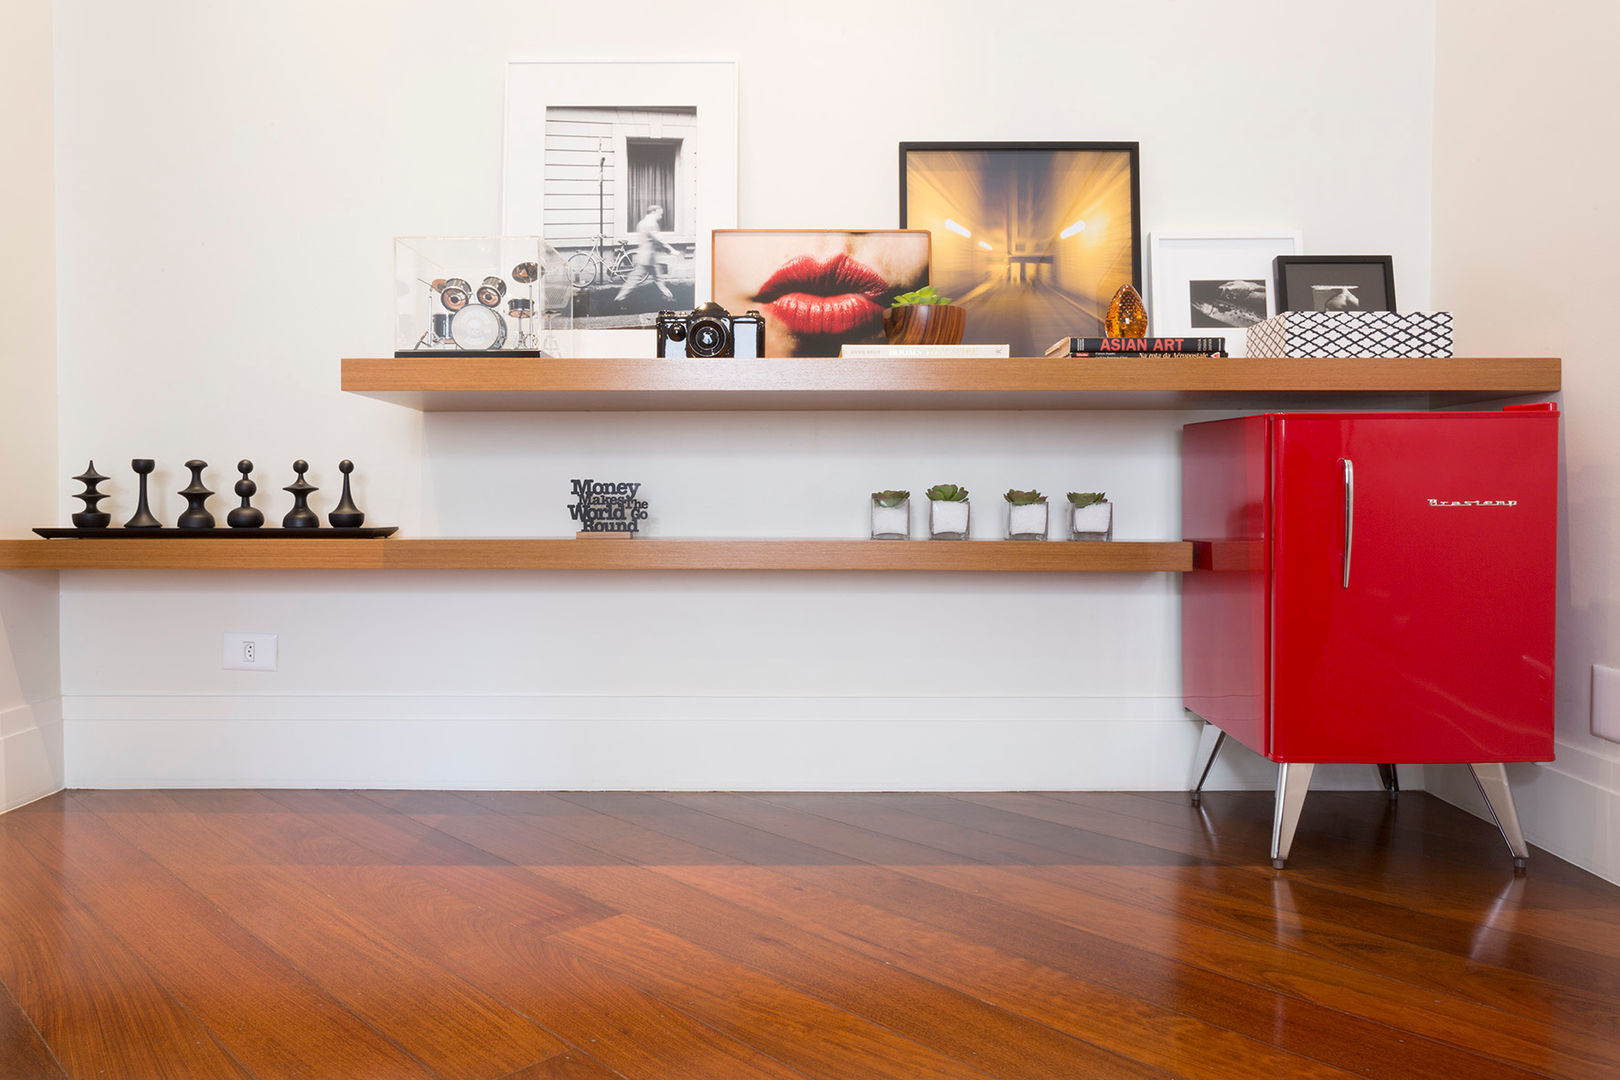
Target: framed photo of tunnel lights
pixel 1031 239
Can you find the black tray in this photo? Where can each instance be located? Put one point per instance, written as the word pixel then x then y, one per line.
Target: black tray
pixel 364 533
pixel 489 354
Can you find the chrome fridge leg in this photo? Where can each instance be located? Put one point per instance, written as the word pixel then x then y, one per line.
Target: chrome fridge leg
pixel 1293 780
pixel 1391 780
pixel 1493 784
pixel 1210 741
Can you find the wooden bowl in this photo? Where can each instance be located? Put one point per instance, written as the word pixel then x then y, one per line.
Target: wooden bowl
pixel 924 324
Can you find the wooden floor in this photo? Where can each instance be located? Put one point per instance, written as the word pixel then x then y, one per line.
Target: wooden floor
pixel 584 936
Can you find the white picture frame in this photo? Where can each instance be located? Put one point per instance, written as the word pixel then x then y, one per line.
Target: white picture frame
pixel 707 86
pixel 1194 267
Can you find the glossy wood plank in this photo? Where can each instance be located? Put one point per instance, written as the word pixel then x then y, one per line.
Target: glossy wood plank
pixel 940 383
pixel 751 1006
pixel 1576 997
pixel 1433 891
pixel 452 1027
pixel 1091 897
pixel 571 1065
pixel 443 917
pixel 273 1018
pixel 643 553
pixel 98 1009
pixel 996 1040
pixel 23 1053
pixel 1118 963
pixel 961 1025
pixel 788 935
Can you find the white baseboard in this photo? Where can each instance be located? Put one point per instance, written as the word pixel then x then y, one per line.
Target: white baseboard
pixel 1570 807
pixel 649 743
pixel 30 752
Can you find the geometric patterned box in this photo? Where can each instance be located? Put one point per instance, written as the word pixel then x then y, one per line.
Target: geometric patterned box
pixel 1347 334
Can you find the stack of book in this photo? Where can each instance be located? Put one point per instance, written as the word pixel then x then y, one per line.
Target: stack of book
pixel 1138 346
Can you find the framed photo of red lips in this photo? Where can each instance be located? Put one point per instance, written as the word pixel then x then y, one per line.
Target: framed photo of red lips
pixel 1032 239
pixel 818 289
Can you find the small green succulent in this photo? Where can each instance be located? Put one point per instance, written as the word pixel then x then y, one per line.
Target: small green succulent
pixel 948 493
pixel 924 295
pixel 1023 498
pixel 1086 498
pixel 890 498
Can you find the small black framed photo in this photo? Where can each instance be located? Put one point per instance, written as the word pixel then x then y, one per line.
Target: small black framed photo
pixel 1335 282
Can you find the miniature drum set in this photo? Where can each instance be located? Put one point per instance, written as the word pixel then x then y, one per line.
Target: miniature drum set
pixel 471 318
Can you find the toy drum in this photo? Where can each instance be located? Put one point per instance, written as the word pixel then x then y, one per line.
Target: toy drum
pixel 478 328
pixel 491 291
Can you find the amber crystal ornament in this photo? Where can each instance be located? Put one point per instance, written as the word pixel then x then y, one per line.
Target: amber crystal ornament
pixel 1127 315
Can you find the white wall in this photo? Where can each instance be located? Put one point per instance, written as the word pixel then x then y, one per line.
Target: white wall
pixel 236 173
pixel 1525 230
pixel 30 683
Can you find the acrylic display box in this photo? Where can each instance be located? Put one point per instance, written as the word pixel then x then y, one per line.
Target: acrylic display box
pixel 481 296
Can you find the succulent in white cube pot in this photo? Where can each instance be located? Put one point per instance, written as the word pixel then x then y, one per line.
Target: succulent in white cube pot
pixel 948 512
pixel 891 515
pixel 1026 515
pixel 1091 516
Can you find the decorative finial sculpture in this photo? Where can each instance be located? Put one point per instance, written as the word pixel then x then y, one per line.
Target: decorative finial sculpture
pixel 246 516
pixel 90 517
pixel 143 518
pixel 1127 315
pixel 301 516
pixel 346 515
pixel 195 515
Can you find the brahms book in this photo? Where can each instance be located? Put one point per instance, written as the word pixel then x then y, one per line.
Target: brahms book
pixel 1137 346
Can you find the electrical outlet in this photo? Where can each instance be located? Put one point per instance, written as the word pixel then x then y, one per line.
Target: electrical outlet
pixel 250 652
pixel 1606 702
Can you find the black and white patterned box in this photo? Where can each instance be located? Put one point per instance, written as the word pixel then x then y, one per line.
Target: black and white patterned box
pixel 1346 334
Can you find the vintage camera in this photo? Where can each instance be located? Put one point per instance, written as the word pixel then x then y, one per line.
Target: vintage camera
pixel 710 330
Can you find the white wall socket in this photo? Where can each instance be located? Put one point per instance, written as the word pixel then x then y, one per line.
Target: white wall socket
pixel 250 652
pixel 1606 702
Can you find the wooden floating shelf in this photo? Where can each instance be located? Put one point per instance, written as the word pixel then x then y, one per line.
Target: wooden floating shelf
pixel 523 385
pixel 641 553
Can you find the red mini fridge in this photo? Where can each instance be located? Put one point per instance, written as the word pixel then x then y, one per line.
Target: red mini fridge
pixel 1373 587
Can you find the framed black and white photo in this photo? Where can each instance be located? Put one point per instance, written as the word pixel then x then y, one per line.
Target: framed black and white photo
pixel 1031 239
pixel 1213 285
pixel 1335 283
pixel 626 169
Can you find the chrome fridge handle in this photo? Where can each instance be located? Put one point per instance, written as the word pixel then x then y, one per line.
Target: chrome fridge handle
pixel 1349 513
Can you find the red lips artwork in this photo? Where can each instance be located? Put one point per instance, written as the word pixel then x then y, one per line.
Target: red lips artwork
pixel 818 290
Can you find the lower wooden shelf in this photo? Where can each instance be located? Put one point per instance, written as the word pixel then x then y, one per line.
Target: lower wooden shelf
pixel 1115 556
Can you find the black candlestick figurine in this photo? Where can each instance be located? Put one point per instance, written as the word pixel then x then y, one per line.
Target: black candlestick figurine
pixel 246 516
pixel 346 515
pixel 143 518
pixel 196 515
pixel 90 517
pixel 301 516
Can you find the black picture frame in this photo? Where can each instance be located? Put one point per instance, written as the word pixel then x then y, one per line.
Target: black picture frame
pixel 1302 282
pixel 1024 276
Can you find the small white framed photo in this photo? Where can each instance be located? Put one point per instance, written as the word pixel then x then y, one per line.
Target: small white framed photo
pixel 626 168
pixel 1214 284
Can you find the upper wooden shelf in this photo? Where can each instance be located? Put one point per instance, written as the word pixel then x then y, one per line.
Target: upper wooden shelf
pixel 523 385
pixel 641 553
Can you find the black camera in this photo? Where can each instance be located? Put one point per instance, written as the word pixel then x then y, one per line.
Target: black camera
pixel 710 330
